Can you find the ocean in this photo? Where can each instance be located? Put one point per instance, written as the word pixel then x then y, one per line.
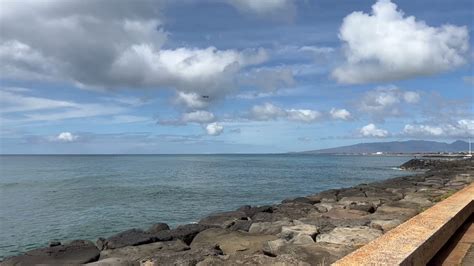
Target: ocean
pixel 66 197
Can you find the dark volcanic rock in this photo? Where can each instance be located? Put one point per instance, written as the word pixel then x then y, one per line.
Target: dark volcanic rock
pixel 251 211
pixel 158 228
pixel 75 252
pixel 241 225
pixel 302 200
pixel 182 258
pixel 132 237
pixel 188 232
pixel 223 219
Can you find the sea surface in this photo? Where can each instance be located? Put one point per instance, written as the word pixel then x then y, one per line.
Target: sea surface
pixel 44 198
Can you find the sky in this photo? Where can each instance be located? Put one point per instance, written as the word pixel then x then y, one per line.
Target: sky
pixel 232 76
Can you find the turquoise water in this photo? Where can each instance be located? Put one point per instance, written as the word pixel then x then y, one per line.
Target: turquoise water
pixel 45 198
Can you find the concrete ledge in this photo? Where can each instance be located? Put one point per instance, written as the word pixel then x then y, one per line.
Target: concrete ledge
pixel 417 240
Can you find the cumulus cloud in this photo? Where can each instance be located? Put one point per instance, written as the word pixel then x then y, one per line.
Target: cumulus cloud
pixel 214 129
pixel 371 130
pixel 342 114
pixel 107 46
pixel 268 111
pixel 66 137
pixel 192 100
pixel 198 117
pixel 386 45
pixel 460 129
pixel 386 101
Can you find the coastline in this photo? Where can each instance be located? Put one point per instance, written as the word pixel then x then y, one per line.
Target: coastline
pixel 315 229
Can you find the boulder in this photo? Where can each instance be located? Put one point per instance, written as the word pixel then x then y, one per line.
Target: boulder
pixel 417 199
pixel 223 219
pixel 345 214
pixel 158 227
pixel 387 212
pixel 355 236
pixel 182 258
pixel 137 253
pixel 75 252
pixel 231 242
pixel 292 210
pixel 256 259
pixel 313 253
pixel 252 211
pixel 308 200
pixel 114 262
pixel 299 233
pixel 269 228
pixel 132 237
pixel 187 232
pixel 241 225
pixel 385 225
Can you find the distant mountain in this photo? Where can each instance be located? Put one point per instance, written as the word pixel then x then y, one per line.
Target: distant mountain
pixel 410 146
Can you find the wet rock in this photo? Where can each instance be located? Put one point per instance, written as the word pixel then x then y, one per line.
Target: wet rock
pixel 183 258
pixel 231 242
pixel 308 200
pixel 75 252
pixel 158 227
pixel 137 253
pixel 356 236
pixel 223 219
pixel 54 243
pixel 271 228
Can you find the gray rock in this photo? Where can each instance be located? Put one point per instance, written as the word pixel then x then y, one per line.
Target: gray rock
pixel 255 259
pixel 183 258
pixel 75 252
pixel 271 228
pixel 308 200
pixel 241 225
pixel 132 237
pixel 223 219
pixel 252 211
pixel 231 242
pixel 187 232
pixel 114 262
pixel 158 227
pixel 137 253
pixel 356 236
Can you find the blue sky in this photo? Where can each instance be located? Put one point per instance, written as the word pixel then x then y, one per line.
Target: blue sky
pixel 232 75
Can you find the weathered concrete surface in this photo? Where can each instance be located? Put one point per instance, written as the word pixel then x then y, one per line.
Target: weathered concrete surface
pixel 416 241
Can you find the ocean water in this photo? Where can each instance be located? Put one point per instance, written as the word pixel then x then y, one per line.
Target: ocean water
pixel 44 198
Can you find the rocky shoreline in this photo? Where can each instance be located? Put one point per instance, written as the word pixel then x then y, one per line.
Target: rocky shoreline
pixel 312 230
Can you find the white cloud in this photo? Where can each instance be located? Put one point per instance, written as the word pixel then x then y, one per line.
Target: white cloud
pixel 371 130
pixel 385 45
pixel 268 111
pixel 198 117
pixel 66 137
pixel 106 46
pixel 214 129
pixel 26 108
pixel 302 115
pixel 192 100
pixel 386 101
pixel 342 114
pixel 268 79
pixel 461 128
